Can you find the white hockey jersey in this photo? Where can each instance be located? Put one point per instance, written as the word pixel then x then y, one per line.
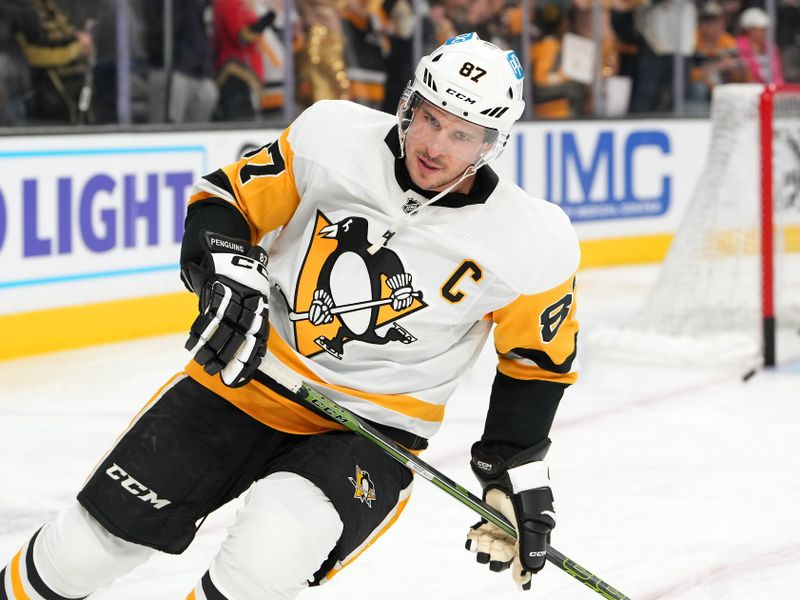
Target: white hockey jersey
pixel 330 183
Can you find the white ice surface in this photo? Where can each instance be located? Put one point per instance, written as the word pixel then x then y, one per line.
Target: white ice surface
pixel 669 483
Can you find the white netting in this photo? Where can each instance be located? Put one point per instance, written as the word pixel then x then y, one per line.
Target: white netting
pixel 706 304
pixel 786 184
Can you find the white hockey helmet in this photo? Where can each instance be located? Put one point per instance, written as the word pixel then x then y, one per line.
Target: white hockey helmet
pixel 473 80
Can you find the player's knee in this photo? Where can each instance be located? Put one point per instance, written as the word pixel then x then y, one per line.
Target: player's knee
pixel 76 555
pixel 281 537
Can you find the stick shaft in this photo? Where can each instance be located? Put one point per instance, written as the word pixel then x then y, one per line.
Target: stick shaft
pixel 341 415
pixel 344 308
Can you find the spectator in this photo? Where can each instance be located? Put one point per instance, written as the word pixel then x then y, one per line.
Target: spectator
pixel 80 11
pixel 510 22
pixel 627 36
pixel 437 26
pixel 320 62
pixel 365 50
pixel 400 59
pixel 763 64
pixel 238 58
pixel 457 12
pixel 787 36
pixel 667 27
pixel 57 54
pixel 716 58
pixel 496 26
pixel 583 25
pixel 731 9
pixel 104 80
pixel 14 78
pixel 554 96
pixel 188 88
pixel 273 53
pixel 479 18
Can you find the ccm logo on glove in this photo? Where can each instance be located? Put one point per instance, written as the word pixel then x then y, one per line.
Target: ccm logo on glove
pixel 249 263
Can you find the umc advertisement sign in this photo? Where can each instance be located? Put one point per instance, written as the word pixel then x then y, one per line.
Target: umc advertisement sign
pixel 584 178
pixel 600 171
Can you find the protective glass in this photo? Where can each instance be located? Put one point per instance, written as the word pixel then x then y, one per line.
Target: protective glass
pixel 446 134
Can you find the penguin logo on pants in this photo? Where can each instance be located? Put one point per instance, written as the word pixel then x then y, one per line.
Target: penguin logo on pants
pixel 364 488
pixel 346 293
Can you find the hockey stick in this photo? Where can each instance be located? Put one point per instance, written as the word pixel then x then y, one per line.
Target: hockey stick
pixel 338 413
pixel 345 308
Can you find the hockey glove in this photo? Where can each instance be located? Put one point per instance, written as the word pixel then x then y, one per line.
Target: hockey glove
pixel 230 334
pixel 520 490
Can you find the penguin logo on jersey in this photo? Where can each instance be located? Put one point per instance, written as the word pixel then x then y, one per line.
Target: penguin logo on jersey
pixel 345 293
pixel 365 489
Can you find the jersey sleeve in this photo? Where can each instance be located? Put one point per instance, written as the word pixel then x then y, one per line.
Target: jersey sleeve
pixel 261 186
pixel 536 335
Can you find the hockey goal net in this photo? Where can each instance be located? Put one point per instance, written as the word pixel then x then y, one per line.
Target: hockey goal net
pixel 729 289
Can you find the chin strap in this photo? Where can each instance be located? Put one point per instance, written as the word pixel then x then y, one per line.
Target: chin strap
pixel 398 224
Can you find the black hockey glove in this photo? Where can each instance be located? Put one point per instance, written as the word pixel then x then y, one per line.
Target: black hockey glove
pixel 230 334
pixel 519 488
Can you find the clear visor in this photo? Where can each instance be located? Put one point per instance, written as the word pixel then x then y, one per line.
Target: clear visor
pixel 438 133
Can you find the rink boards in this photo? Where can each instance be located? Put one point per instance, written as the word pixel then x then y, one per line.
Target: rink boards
pixel 90 225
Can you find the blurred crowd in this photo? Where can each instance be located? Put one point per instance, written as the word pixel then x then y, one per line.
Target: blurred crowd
pixel 223 60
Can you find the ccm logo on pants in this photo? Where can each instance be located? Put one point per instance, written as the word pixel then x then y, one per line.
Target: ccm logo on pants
pixel 129 484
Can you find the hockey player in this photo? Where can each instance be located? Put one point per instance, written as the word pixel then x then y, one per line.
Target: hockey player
pixel 399 249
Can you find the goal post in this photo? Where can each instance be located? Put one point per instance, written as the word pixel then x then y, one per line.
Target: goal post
pixel 781 100
pixel 729 289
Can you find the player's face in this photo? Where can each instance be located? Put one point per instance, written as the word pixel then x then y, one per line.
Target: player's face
pixel 440 146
